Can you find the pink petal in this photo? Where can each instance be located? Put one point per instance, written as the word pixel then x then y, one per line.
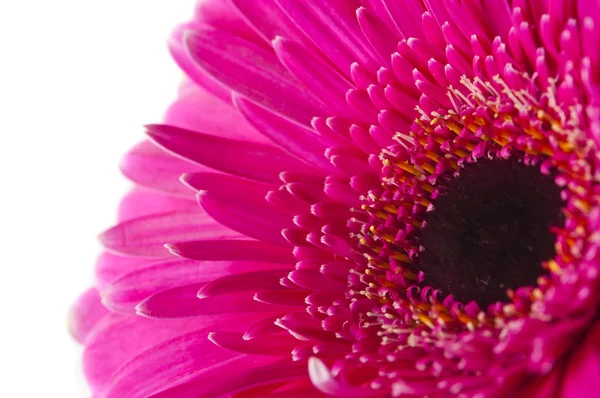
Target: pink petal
pixel 85 314
pixel 324 381
pixel 279 345
pixel 192 70
pixel 581 374
pixel 198 110
pixel 167 364
pixel 183 301
pixel 232 250
pixel 382 39
pixel 287 297
pixel 118 338
pixel 223 16
pixel 245 159
pixel 243 282
pixel 146 236
pixel 305 327
pixel 333 28
pixel 152 167
pixel 226 185
pixel 207 385
pixel 318 76
pixel 316 281
pixel 125 293
pixel 297 140
pixel 250 218
pixel 252 72
pixel 141 202
pixel 111 266
pixel 277 24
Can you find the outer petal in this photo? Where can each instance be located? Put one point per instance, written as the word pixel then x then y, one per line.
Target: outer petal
pixel 146 236
pixel 246 378
pixel 170 361
pixel 150 166
pixel 198 110
pixel 250 160
pixel 126 293
pixel 85 314
pixel 119 338
pixel 253 72
pixel 140 202
pixel 110 266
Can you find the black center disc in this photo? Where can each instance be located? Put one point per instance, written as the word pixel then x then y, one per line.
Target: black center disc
pixel 490 230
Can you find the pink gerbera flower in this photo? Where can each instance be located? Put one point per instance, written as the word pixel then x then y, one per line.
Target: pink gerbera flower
pixel 397 198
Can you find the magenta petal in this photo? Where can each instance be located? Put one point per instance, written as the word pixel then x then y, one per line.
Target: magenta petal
pixel 150 166
pixel 141 202
pixel 581 377
pixel 207 385
pixel 256 220
pixel 383 40
pixel 225 185
pixel 118 338
pixel 85 314
pixel 125 293
pixel 303 143
pixel 281 344
pixel 333 28
pixel 289 298
pixel 110 266
pixel 166 364
pixel 192 70
pixel 277 23
pixel 324 381
pixel 197 110
pixel 146 236
pixel 250 250
pixel 246 281
pixel 183 301
pixel 254 73
pixel 245 159
pixel 318 76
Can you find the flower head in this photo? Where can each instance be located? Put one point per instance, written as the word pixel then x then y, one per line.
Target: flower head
pixel 397 198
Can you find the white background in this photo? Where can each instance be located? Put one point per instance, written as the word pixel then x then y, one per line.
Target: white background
pixel 78 79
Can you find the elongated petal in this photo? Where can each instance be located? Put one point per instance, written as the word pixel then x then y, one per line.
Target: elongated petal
pixel 324 381
pixel 250 250
pixel 197 110
pixel 203 386
pixel 333 28
pixel 252 219
pixel 226 185
pixel 125 293
pixel 246 281
pixel 152 167
pixel 252 72
pixel 110 266
pixel 85 314
pixel 277 23
pixel 315 74
pixel 166 364
pixel 181 302
pixel 119 338
pixel 146 236
pixel 140 202
pixel 245 159
pixel 297 140
pixel 281 344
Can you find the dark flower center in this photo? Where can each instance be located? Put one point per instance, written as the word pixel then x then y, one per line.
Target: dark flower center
pixel 490 230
